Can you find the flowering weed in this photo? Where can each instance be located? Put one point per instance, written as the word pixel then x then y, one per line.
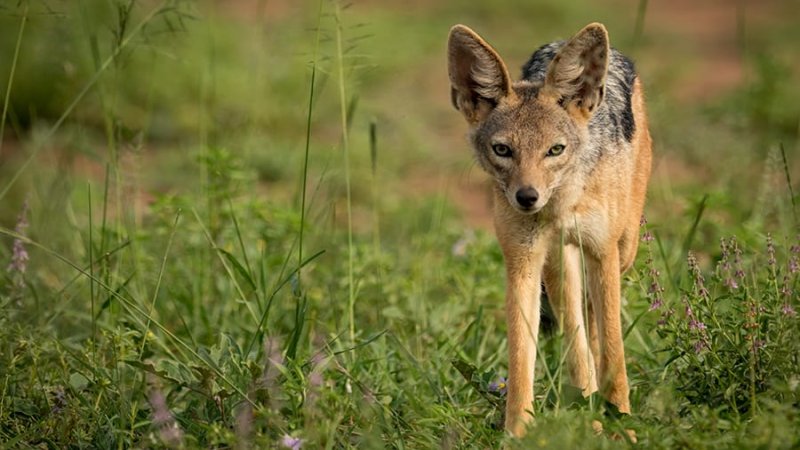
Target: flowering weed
pixel 733 346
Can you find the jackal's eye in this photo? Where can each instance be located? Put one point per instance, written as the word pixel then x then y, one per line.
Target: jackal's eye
pixel 502 150
pixel 555 150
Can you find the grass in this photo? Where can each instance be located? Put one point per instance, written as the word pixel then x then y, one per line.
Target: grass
pixel 193 263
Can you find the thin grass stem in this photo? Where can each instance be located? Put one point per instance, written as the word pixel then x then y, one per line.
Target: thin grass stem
pixel 308 145
pixel 346 150
pixel 91 272
pixel 789 183
pixel 638 31
pixel 157 289
pixel 11 74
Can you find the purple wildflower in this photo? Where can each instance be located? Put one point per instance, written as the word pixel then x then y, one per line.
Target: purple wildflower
pixel 786 289
pixel 771 261
pixel 731 283
pixel 666 314
pixel 737 258
pixel 794 265
pixel 19 258
pixel 19 255
pixel 272 370
pixel 700 345
pixel 161 414
pixel 657 303
pixel 696 325
pixel 655 291
pixel 244 425
pixel 699 281
pixel 59 401
pixel 291 442
pixel 724 264
pixel 788 310
pixel 499 386
pixel 168 429
pixel 723 261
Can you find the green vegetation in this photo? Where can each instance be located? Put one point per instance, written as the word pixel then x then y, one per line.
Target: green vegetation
pixel 258 224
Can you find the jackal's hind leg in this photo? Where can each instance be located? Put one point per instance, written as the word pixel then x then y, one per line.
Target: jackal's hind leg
pixel 562 279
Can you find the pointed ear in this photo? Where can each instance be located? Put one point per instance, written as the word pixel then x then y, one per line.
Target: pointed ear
pixel 576 77
pixel 478 77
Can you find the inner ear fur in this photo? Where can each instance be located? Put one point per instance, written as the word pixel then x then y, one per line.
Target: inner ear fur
pixel 576 77
pixel 478 77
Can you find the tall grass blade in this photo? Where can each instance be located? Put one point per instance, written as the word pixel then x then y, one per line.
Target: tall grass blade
pixel 789 184
pixel 239 238
pixel 308 144
pixel 373 146
pixel 352 106
pixel 158 282
pixel 638 29
pixel 299 322
pixel 687 243
pixel 346 150
pixel 91 272
pixel 104 227
pixel 14 60
pixel 376 196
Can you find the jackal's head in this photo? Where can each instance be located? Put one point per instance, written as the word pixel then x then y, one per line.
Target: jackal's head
pixel 529 135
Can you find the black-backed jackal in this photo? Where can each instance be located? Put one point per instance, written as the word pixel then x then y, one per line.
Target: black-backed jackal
pixel 569 150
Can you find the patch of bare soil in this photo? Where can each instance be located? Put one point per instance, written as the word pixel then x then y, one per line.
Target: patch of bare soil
pixel 709 31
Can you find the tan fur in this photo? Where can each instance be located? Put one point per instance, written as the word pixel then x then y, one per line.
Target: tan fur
pixel 582 204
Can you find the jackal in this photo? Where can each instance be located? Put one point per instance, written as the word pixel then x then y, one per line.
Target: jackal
pixel 570 153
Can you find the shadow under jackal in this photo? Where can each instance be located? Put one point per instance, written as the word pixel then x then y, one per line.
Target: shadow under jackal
pixel 570 153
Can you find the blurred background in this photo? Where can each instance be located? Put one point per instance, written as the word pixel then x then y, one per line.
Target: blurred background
pixel 234 76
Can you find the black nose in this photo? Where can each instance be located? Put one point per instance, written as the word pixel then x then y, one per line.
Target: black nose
pixel 527 196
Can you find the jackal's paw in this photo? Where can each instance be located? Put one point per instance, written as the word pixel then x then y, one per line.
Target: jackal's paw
pixel 597 426
pixel 516 421
pixel 590 389
pixel 630 435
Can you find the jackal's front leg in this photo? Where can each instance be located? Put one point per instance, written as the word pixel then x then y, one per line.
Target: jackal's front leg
pixel 523 271
pixel 604 275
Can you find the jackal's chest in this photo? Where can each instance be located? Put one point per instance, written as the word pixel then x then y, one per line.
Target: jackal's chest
pixel 588 229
